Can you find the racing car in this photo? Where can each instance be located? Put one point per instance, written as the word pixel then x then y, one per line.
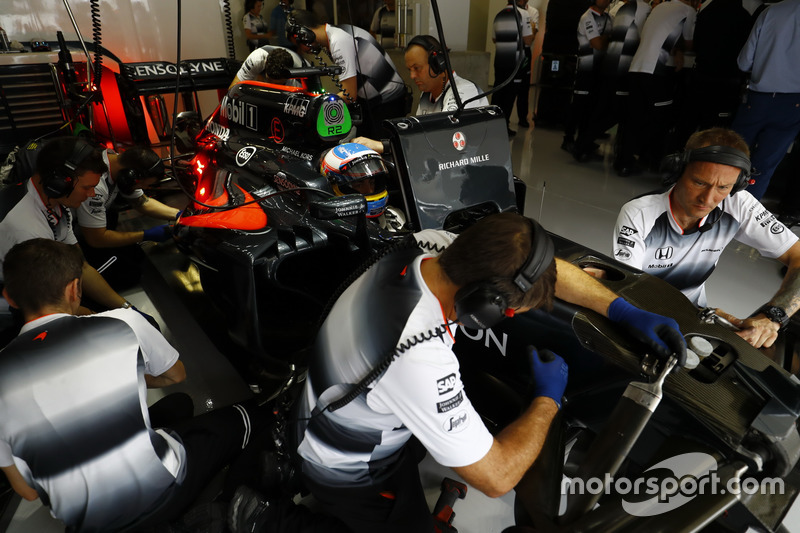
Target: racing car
pixel 273 237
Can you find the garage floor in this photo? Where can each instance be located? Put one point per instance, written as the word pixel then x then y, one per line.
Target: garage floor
pixel 577 201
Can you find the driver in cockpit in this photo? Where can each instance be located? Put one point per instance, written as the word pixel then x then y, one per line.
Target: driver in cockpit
pixel 352 168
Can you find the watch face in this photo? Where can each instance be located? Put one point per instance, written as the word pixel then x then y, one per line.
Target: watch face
pixel 776 314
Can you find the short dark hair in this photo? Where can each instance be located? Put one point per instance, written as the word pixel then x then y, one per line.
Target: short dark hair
pixel 278 61
pixel 58 151
pixel 36 271
pixel 303 17
pixel 145 160
pixel 493 250
pixel 250 4
pixel 717 137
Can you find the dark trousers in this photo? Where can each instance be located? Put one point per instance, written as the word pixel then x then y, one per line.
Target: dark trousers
pixel 396 505
pixel 647 119
pixel 374 113
pixel 517 90
pixel 769 123
pixel 212 441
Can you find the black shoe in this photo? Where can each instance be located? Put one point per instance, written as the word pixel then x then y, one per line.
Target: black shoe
pixel 511 132
pixel 523 123
pixel 568 145
pixel 248 511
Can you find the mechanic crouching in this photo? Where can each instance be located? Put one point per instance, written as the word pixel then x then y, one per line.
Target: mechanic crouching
pixel 384 385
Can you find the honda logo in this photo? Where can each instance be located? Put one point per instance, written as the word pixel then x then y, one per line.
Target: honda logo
pixel 662 254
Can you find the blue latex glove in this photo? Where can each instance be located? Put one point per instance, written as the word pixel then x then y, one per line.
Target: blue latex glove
pixel 549 374
pixel 661 334
pixel 158 233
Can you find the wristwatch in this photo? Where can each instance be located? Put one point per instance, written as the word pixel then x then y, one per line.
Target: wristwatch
pixel 774 313
pixel 127 305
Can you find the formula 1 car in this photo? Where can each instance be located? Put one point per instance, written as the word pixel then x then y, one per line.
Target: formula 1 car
pixel 270 236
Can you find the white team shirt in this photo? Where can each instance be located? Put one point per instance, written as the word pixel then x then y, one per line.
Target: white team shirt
pixel 666 23
pixel 29 219
pixel 447 100
pixel 647 237
pixel 92 212
pixel 256 63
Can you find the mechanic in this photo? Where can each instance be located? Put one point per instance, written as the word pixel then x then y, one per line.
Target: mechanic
pixel 73 389
pixel 67 171
pixel 267 64
pixel 127 173
pixel 426 65
pixel 359 457
pixel 369 75
pixel 679 235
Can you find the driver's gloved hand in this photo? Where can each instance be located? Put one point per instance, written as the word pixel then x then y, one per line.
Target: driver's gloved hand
pixel 158 233
pixel 549 374
pixel 661 334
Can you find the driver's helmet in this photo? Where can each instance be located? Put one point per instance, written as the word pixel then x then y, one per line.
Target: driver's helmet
pixel 353 168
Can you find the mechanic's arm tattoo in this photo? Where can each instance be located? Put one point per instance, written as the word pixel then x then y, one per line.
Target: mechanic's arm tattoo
pixel 788 296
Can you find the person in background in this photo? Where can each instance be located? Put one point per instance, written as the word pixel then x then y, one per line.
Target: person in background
pixel 277 21
pixel 425 63
pixel 255 28
pixel 127 174
pixel 594 29
pixel 506 36
pixel 369 76
pixel 769 119
pixel 384 24
pixel 268 63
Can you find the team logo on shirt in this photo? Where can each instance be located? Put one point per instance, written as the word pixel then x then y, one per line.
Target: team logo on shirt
pixel 459 141
pixel 626 231
pixel 625 242
pixel 663 254
pixel 777 228
pixel 456 423
pixel 450 404
pixel 446 384
pixel 244 155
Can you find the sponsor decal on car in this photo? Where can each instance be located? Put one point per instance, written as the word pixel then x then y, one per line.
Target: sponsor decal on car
pixel 244 155
pixel 459 141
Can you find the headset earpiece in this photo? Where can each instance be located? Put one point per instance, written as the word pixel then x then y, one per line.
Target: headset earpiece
pixel 481 305
pixel 673 165
pixel 436 61
pixel 127 178
pixel 61 182
pixel 301 34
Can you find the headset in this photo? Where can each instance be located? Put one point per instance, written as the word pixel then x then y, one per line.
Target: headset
pixel 301 34
pixel 673 165
pixel 127 177
pixel 436 61
pixel 481 304
pixel 61 181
